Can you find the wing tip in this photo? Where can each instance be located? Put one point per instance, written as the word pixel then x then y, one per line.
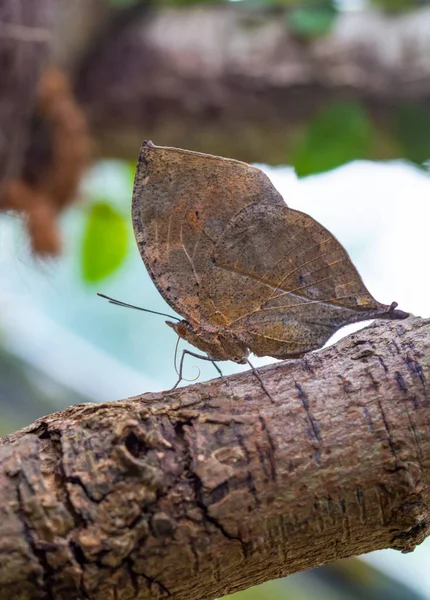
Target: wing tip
pixel 393 314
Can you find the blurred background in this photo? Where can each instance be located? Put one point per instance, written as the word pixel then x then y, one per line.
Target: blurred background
pixel 330 98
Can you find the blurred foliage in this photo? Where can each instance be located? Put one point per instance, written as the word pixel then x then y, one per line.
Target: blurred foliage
pixel 26 393
pixel 397 5
pixel 412 128
pixel 105 242
pixel 312 21
pixel 339 133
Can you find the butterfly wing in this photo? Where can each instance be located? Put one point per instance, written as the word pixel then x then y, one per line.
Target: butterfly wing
pixel 182 203
pixel 283 283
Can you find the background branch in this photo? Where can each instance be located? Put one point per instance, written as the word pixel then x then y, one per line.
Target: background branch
pixel 233 80
pixel 236 80
pixel 209 489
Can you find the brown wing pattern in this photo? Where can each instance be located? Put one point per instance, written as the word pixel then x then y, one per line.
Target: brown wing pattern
pixel 182 203
pixel 283 283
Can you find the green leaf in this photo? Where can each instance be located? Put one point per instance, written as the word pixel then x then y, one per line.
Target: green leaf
pixel 339 133
pixel 412 127
pixel 104 244
pixel 312 21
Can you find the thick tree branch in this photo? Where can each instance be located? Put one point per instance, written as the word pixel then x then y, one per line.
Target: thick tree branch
pixel 209 489
pixel 235 80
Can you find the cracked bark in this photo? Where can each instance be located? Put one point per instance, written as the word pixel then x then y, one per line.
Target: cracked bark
pixel 209 489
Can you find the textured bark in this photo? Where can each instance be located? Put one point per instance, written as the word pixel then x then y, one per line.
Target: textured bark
pixel 236 81
pixel 205 490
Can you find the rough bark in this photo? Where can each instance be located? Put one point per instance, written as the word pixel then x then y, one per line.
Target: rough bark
pixel 205 490
pixel 236 81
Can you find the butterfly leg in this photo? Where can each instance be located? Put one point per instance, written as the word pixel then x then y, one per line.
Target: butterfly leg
pixel 201 356
pixel 257 375
pixel 217 368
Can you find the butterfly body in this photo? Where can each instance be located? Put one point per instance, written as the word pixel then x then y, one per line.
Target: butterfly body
pixel 246 272
pixel 219 344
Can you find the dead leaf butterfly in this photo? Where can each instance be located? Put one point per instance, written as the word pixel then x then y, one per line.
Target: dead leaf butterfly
pixel 246 273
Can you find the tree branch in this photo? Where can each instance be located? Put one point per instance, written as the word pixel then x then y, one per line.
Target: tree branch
pixel 206 490
pixel 232 80
pixel 235 80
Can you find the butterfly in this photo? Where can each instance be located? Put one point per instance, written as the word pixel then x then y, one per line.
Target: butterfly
pixel 246 272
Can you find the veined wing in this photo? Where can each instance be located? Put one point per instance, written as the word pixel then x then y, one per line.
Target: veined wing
pixel 182 203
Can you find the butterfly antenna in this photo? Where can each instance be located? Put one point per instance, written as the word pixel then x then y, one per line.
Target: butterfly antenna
pixel 119 303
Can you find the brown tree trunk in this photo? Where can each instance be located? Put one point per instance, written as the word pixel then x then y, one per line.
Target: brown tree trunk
pixel 209 489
